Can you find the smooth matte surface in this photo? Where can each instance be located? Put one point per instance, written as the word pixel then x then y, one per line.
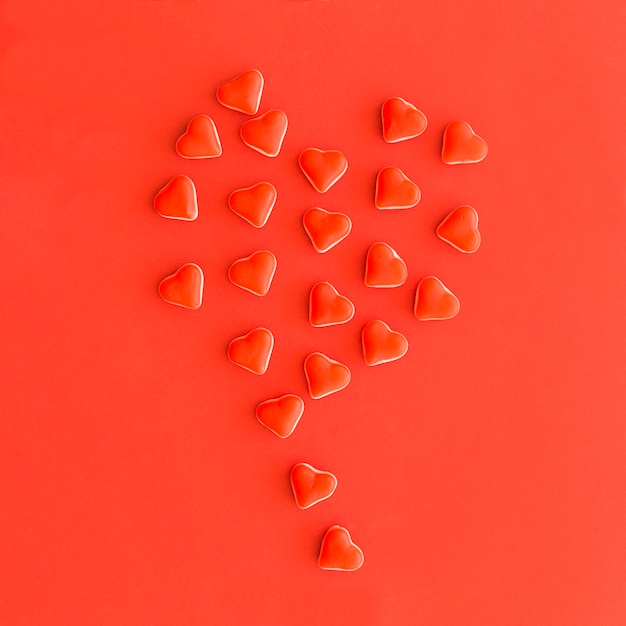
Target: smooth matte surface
pixel 483 474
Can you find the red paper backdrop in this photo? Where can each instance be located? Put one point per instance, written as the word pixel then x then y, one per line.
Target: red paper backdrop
pixel 483 474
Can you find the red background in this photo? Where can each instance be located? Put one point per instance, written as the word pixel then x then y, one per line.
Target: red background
pixel 483 474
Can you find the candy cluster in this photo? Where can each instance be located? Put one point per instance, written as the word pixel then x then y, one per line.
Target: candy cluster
pixel 384 268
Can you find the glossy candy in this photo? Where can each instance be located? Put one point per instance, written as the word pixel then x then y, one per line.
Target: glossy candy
pixel 384 267
pixel 434 301
pixel 339 552
pixel 177 200
pixel 325 375
pixel 462 145
pixel 184 287
pixel 200 140
pixel 265 133
pixel 254 204
pixel 323 168
pixel 310 485
pixel 281 415
pixel 327 307
pixel 460 229
pixel 242 93
pixel 253 350
pixel 401 120
pixel 326 229
pixel 381 344
pixel 395 190
pixel 254 273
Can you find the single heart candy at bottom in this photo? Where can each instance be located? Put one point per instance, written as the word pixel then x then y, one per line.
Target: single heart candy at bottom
pixel 339 552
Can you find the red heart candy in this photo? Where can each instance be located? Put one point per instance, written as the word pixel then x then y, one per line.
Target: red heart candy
pixel 253 350
pixel 242 93
pixel 462 145
pixel 401 120
pixel 324 375
pixel 311 485
pixel 323 168
pixel 254 204
pixel 265 133
pixel 338 552
pixel 254 273
pixel 281 415
pixel 381 344
pixel 434 301
pixel 460 229
pixel 327 307
pixel 326 229
pixel 395 190
pixel 183 287
pixel 384 267
pixel 200 140
pixel 177 200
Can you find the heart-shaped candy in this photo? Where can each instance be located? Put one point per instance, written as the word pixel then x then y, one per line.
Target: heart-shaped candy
pixel 177 200
pixel 281 415
pixel 265 133
pixel 338 552
pixel 311 485
pixel 460 229
pixel 326 229
pixel 184 287
pixel 254 204
pixel 254 273
pixel 242 93
pixel 395 190
pixel 323 168
pixel 401 120
pixel 253 350
pixel 462 145
pixel 324 375
pixel 434 301
pixel 384 267
pixel 327 307
pixel 200 140
pixel 381 344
